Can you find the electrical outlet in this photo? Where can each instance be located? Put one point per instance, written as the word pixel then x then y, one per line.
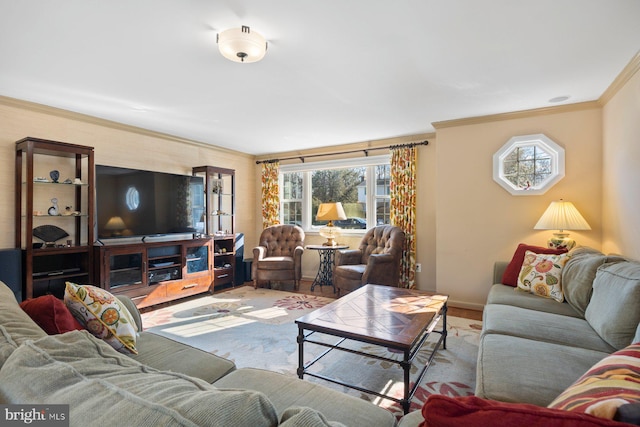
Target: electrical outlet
pixel 418 268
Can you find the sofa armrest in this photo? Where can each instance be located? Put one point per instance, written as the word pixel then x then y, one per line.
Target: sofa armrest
pixel 131 307
pixel 348 257
pixel 498 271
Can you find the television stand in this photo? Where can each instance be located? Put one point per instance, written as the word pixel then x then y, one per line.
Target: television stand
pixel 155 272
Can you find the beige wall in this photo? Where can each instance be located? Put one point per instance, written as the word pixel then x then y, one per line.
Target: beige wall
pixel 478 222
pixel 621 167
pixel 115 146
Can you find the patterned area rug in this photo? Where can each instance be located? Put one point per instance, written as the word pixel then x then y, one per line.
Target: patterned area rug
pixel 256 328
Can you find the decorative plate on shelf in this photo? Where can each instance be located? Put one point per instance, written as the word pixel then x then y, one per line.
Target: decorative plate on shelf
pixel 49 233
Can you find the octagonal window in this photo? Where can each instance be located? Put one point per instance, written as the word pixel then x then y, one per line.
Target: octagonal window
pixel 528 164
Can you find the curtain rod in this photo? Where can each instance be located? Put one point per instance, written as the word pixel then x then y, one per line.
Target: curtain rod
pixel 365 151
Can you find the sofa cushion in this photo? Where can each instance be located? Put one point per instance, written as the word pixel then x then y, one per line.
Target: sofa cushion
pixel 443 411
pixel 103 315
pixel 112 389
pixel 7 345
pixel 610 383
pixel 16 326
pixel 541 274
pixel 286 391
pixel 305 417
pixel 541 326
pixel 166 354
pixel 510 276
pixel 515 369
pixel 578 275
pixel 50 314
pixel 507 295
pixel 613 310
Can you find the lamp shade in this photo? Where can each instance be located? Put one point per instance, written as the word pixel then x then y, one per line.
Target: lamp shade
pixel 561 215
pixel 330 211
pixel 115 223
pixel 242 45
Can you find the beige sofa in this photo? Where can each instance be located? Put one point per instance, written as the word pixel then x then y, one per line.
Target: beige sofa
pixel 167 383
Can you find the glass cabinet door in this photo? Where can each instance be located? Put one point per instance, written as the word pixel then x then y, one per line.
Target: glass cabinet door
pixel 197 259
pixel 125 269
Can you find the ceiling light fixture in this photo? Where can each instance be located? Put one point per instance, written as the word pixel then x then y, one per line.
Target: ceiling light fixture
pixel 559 99
pixel 242 45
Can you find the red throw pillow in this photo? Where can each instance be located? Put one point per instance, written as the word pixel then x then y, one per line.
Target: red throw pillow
pixel 51 314
pixel 510 276
pixel 443 411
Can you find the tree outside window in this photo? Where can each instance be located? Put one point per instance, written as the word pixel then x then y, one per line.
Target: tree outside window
pixel 361 185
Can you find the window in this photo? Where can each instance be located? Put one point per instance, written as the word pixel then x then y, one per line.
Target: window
pixel 528 165
pixel 361 185
pixel 291 198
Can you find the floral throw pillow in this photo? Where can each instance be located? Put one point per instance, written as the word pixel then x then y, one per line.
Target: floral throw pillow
pixel 103 315
pixel 541 275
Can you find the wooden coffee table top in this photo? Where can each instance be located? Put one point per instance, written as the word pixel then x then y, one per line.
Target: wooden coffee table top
pixel 376 314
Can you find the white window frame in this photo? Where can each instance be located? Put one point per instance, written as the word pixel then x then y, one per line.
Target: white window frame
pixel 370 162
pixel 555 151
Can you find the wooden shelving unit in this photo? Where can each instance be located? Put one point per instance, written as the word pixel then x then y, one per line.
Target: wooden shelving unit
pixel 219 216
pixel 47 265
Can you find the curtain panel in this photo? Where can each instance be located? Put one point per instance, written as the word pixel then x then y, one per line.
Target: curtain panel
pixel 403 207
pixel 270 194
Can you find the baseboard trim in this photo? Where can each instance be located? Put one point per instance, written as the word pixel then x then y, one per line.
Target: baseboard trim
pixel 465 305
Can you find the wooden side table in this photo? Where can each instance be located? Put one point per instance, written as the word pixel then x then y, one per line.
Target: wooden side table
pixel 325 269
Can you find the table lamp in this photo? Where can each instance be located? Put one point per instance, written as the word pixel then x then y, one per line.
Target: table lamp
pixel 330 212
pixel 561 216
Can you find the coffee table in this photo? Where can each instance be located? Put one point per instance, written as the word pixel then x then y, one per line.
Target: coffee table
pixel 398 319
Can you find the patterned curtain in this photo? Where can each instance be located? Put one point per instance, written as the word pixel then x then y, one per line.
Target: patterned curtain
pixel 270 194
pixel 403 207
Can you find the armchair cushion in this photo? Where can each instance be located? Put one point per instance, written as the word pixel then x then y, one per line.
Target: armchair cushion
pixel 276 263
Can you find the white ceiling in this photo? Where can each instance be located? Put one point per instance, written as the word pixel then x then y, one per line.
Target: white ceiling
pixel 336 71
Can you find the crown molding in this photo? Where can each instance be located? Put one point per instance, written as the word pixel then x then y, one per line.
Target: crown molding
pixel 625 75
pixel 85 118
pixel 579 106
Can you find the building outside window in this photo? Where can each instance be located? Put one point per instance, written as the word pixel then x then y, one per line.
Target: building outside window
pixel 361 185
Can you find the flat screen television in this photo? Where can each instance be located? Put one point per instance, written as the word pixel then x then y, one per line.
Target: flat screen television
pixel 132 203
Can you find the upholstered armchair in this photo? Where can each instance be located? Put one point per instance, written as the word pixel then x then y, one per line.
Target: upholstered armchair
pixel 279 255
pixel 376 261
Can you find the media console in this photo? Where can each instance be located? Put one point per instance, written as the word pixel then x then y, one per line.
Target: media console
pixel 155 272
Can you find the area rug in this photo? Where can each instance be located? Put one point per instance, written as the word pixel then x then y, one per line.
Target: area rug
pixel 256 328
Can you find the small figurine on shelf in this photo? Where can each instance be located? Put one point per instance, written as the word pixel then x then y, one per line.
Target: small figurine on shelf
pixel 68 211
pixel 55 175
pixel 53 210
pixel 216 186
